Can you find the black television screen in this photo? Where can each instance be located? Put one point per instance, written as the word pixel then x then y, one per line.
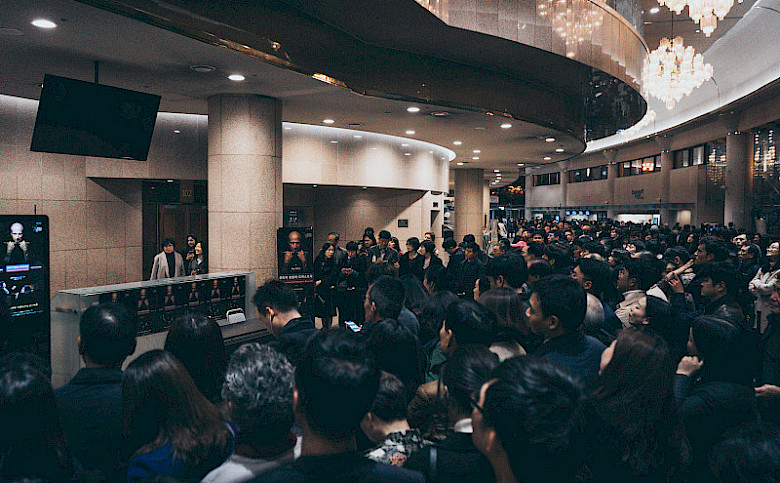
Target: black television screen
pixel 82 118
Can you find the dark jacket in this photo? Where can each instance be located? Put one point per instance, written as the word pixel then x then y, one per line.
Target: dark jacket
pixel 577 352
pixel 466 275
pixel 407 265
pixel 457 460
pixel 90 408
pixel 409 320
pixel 350 467
pixel 708 409
pixel 375 254
pixel 293 337
pixel 770 368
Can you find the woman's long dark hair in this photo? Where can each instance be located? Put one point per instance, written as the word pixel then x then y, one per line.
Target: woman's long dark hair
pixel 197 342
pixel 635 396
pixel 321 255
pixel 661 320
pixel 161 405
pixel 726 349
pixel 506 306
pixel 464 373
pixel 415 294
pixel 32 443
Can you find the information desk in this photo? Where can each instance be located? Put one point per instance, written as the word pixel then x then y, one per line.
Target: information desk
pixel 156 303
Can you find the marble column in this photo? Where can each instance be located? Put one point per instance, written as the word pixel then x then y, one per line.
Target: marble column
pixel 564 188
pixel 612 168
pixel 469 202
pixel 735 208
pixel 529 187
pixel 244 183
pixel 664 142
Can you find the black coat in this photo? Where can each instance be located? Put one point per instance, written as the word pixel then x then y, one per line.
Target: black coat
pixel 293 337
pixel 457 460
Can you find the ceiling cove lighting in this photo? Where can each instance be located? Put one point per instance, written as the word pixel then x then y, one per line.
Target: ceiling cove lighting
pixel 672 71
pixel 43 23
pixel 413 109
pixel 236 77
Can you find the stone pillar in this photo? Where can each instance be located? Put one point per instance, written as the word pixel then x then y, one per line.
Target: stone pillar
pixel 469 202
pixel 244 183
pixel 735 207
pixel 612 168
pixel 563 165
pixel 664 142
pixel 486 201
pixel 529 188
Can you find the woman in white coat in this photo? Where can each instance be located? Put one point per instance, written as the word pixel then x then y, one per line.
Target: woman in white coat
pixel 763 283
pixel 165 259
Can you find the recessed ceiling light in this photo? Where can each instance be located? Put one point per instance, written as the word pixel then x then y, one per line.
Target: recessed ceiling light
pixel 559 150
pixel 328 121
pixel 407 154
pixel 698 31
pixel 176 131
pixel 440 113
pixel 203 68
pixel 404 145
pixel 169 180
pixel 655 10
pixel 460 164
pixel 521 164
pixel 506 126
pixel 475 157
pixel 236 77
pixel 314 186
pixel 547 158
pixel 365 187
pixel 43 23
pixel 550 139
pixel 476 151
pixel 334 142
pixel 357 136
pixel 413 109
pixel 496 170
pixel 457 143
pixel 409 132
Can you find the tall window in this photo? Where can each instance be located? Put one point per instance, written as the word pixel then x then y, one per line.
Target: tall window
pixel 693 156
pixel 635 167
pixel 547 179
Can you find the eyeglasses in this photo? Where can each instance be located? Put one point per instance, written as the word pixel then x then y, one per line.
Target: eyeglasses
pixel 475 405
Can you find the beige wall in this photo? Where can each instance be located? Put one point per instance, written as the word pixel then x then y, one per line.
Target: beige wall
pixel 349 210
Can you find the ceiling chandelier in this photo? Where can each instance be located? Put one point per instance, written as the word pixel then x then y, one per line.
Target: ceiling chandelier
pixel 704 12
pixel 673 71
pixel 573 20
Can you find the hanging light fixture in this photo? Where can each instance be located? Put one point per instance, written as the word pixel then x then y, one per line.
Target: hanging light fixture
pixel 672 71
pixel 706 13
pixel 573 20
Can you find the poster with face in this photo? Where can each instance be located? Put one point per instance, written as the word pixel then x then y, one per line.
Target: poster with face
pixel 295 253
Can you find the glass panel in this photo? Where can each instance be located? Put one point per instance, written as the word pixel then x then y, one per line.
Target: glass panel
pixel 698 156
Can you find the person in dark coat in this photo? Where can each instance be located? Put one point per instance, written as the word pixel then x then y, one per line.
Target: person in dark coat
pixel 325 279
pixel 351 286
pixel 411 262
pixel 90 405
pixel 469 270
pixel 278 307
pixel 722 396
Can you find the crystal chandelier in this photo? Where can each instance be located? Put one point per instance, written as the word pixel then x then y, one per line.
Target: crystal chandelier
pixel 673 71
pixel 573 20
pixel 704 12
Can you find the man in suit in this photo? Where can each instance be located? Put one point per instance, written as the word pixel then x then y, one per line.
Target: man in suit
pixel 168 263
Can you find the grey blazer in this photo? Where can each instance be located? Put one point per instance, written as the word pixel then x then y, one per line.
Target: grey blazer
pixel 160 267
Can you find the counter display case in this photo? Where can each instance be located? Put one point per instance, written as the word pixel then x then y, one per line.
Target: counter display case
pixel 156 303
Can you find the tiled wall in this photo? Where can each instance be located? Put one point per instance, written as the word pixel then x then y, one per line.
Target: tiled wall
pixel 95 217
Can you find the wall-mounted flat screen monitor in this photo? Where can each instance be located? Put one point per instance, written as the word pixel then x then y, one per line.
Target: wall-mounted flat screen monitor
pixel 87 119
pixel 24 282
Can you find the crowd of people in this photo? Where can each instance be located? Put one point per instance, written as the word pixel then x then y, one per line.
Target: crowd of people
pixel 572 352
pixel 190 261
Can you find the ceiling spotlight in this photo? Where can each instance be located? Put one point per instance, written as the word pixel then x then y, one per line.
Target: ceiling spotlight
pixel 496 170
pixel 654 10
pixel 460 164
pixel 559 150
pixel 475 157
pixel 550 139
pixel 407 154
pixel 236 77
pixel 334 142
pixel 413 109
pixel 328 121
pixel 476 151
pixel 176 131
pixel 42 23
pixel 457 143
pixel 314 186
pixel 506 126
pixel 203 68
pixel 521 164
pixel 547 158
pixel 409 132
pixel 440 114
